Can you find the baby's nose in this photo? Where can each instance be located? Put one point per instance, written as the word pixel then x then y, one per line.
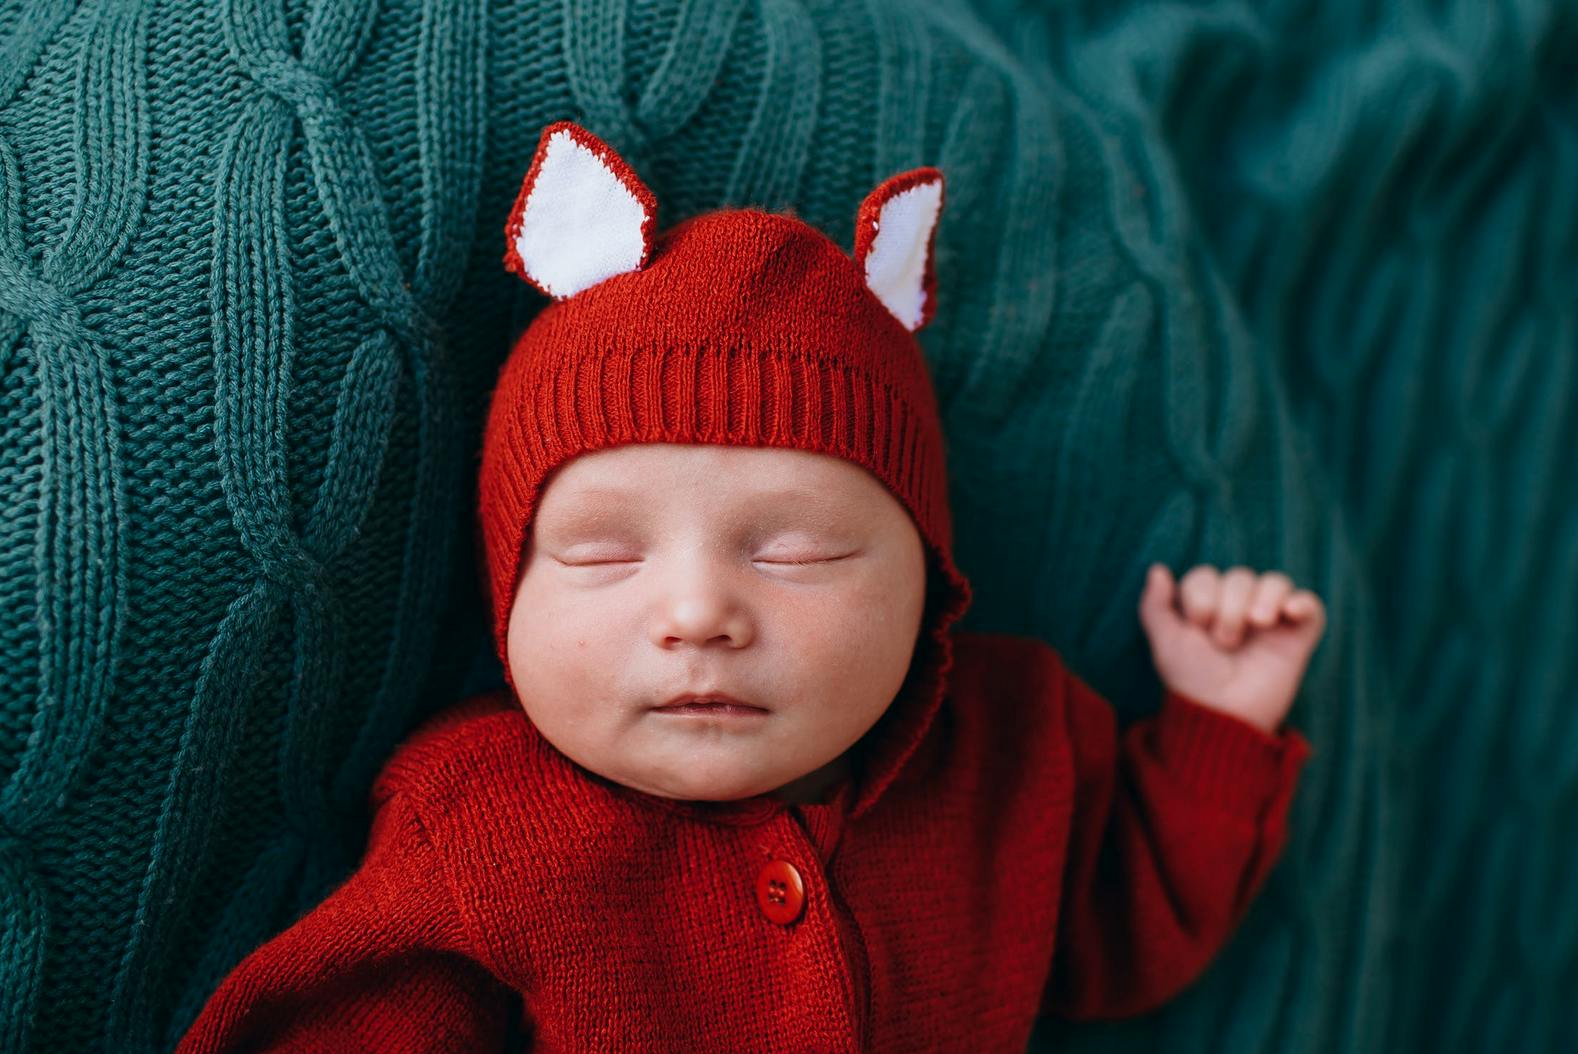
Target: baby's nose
pixel 701 619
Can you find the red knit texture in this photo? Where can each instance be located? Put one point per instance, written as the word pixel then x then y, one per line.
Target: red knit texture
pixel 746 328
pixel 1097 880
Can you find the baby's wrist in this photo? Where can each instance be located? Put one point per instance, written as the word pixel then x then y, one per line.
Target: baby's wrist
pixel 1265 716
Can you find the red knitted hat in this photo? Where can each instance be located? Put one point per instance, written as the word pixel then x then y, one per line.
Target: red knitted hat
pixel 739 327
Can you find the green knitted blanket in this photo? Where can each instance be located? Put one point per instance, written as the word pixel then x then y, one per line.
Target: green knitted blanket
pixel 1283 284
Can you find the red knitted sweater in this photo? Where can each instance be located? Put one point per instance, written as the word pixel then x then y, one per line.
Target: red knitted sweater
pixel 1024 857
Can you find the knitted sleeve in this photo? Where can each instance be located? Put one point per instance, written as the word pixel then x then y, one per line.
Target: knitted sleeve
pixel 1177 823
pixel 380 965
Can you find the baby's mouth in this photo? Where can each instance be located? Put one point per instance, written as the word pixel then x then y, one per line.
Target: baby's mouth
pixel 714 705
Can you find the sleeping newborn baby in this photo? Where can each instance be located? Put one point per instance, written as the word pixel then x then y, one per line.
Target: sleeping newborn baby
pixel 746 789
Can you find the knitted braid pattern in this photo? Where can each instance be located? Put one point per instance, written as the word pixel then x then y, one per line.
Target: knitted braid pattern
pixel 254 317
pixel 254 339
pixel 75 487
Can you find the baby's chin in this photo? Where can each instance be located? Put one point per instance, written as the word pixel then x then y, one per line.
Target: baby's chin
pixel 711 781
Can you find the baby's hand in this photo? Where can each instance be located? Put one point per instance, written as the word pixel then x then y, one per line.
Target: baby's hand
pixel 1240 642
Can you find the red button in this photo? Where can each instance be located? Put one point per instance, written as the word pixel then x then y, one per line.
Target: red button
pixel 780 892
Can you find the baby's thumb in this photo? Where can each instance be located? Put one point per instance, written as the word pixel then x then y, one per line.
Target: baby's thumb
pixel 1157 613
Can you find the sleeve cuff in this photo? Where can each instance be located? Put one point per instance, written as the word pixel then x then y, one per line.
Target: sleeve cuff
pixel 1223 759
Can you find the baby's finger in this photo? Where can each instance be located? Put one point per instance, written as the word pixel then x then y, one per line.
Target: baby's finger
pixel 1266 605
pixel 1198 590
pixel 1237 587
pixel 1304 606
pixel 1156 599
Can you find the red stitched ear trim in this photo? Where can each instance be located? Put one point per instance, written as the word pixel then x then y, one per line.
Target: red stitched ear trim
pixel 614 163
pixel 868 222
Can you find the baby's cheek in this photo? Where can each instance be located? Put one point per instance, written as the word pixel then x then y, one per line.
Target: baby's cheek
pixel 865 625
pixel 563 620
pixel 559 651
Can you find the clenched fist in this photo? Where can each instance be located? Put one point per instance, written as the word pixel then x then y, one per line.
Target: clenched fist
pixel 1235 641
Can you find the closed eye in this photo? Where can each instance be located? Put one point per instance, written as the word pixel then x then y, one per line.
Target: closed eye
pixel 808 560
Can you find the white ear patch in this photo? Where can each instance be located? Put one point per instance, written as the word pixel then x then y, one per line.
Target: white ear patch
pixel 893 244
pixel 582 216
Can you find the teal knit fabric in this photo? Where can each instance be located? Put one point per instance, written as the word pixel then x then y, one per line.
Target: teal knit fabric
pixel 1284 284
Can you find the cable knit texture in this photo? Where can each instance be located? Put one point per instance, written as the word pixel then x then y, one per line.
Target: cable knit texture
pixel 1283 283
pixel 502 879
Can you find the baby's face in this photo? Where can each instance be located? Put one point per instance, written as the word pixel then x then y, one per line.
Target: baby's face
pixel 793 582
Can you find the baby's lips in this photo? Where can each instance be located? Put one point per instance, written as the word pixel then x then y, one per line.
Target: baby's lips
pixel 722 698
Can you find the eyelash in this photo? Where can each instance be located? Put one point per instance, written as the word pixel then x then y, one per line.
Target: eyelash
pixel 804 563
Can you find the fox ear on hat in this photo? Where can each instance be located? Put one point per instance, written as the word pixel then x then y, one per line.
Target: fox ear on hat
pixel 581 217
pixel 894 237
